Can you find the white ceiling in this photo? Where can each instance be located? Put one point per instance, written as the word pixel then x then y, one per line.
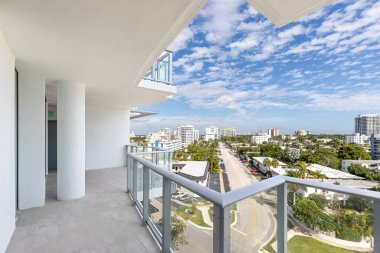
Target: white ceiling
pixel 109 45
pixel 282 12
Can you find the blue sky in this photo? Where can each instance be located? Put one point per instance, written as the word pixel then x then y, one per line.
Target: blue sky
pixel 233 68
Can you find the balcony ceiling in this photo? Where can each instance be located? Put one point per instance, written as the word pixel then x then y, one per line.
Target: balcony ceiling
pixel 282 12
pixel 109 45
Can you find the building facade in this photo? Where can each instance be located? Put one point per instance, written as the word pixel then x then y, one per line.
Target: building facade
pixel 229 132
pixel 367 124
pixel 260 138
pixel 370 164
pixel 196 135
pixel 357 138
pixel 274 132
pixel 375 146
pixel 211 133
pixel 186 134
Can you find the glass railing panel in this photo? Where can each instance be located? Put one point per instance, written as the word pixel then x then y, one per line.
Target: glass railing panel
pixel 192 219
pixel 253 223
pixel 155 199
pixel 139 186
pixel 161 70
pixel 327 221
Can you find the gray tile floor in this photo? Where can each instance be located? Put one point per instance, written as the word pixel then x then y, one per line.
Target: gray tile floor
pixel 102 221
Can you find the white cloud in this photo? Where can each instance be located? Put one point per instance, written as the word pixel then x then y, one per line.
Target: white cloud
pixel 182 40
pixel 197 66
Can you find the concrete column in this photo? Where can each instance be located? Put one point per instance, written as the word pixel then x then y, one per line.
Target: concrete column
pixel 71 152
pixel 31 139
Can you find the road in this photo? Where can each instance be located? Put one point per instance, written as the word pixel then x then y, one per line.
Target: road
pixel 255 217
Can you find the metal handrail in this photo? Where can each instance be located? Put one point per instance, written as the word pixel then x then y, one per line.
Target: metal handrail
pixel 205 192
pixel 222 202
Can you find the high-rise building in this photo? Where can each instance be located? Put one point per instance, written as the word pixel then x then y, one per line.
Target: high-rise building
pixel 357 138
pixel 274 132
pixel 229 132
pixel 196 135
pixel 212 133
pixel 375 146
pixel 186 134
pixel 367 124
pixel 167 133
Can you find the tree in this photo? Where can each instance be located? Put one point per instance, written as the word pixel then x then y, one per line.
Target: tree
pixel 307 212
pixel 318 175
pixel 361 171
pixel 272 150
pixel 267 162
pixel 293 154
pixel 319 199
pixel 275 163
pixel 302 169
pixel 359 204
pixel 177 231
pixel 351 225
pixel 353 152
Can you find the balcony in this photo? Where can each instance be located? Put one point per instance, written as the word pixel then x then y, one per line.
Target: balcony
pixel 158 81
pixel 245 232
pixel 109 220
pixel 162 69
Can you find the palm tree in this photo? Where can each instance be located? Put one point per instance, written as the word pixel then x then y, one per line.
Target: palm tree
pixel 275 163
pixel 318 175
pixel 302 169
pixel 267 162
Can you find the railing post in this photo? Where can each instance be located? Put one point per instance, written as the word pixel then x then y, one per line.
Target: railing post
pixel 282 218
pixel 376 226
pixel 129 174
pixel 166 215
pixel 145 194
pixel 134 184
pixel 221 230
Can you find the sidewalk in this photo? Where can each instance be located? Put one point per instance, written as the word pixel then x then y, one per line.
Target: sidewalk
pixel 206 216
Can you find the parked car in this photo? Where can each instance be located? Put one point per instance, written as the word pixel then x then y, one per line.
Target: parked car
pixel 255 171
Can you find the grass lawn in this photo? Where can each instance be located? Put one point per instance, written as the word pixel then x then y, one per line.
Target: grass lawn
pixel 196 218
pixel 307 244
pixel 211 214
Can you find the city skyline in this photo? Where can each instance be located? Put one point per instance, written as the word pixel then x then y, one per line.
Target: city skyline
pixel 233 68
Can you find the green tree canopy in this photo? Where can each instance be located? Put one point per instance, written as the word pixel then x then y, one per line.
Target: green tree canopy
pixel 353 152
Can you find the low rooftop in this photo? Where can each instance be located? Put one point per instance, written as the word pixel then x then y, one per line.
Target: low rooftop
pixel 331 173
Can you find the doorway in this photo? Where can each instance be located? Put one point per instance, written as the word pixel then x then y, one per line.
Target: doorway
pixel 52 145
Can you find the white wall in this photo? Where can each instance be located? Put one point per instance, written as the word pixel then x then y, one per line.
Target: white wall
pixel 107 133
pixel 7 144
pixel 31 147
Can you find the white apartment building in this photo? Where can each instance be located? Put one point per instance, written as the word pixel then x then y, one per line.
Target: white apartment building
pixel 367 124
pixel 163 134
pixel 260 138
pixel 357 138
pixel 229 132
pixel 211 133
pixel 186 134
pixel 274 132
pixel 370 164
pixel 196 135
pixel 302 132
pixel 174 144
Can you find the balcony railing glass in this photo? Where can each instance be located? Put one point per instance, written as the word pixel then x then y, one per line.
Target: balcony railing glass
pixel 220 237
pixel 161 71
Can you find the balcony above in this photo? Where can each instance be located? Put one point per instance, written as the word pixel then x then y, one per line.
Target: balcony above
pixel 108 45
